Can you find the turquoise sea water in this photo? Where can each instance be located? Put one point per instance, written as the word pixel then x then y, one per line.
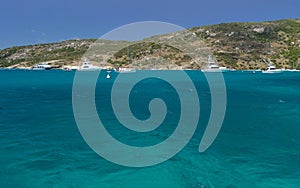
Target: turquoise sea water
pixel 258 146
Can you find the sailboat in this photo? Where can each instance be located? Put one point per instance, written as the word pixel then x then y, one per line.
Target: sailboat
pixel 108 74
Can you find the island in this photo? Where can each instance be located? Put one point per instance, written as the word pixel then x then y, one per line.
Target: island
pixel 238 46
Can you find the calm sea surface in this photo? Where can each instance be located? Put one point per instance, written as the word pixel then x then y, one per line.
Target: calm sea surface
pixel 258 145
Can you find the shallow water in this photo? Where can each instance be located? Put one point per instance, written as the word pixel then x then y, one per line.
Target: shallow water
pixel 258 146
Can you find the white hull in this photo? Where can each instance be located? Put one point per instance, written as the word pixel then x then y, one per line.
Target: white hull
pixel 272 71
pixel 41 66
pixel 87 66
pixel 211 70
pixel 36 68
pixel 216 70
pixel 90 69
pixel 212 66
pixel 125 70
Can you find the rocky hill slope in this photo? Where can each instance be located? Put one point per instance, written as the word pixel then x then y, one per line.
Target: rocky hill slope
pixel 234 45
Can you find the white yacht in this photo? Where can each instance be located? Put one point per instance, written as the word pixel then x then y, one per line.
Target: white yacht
pixel 212 66
pixel 125 70
pixel 272 69
pixel 41 66
pixel 225 69
pixel 87 66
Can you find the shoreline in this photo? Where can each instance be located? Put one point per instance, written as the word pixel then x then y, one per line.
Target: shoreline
pixel 114 70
